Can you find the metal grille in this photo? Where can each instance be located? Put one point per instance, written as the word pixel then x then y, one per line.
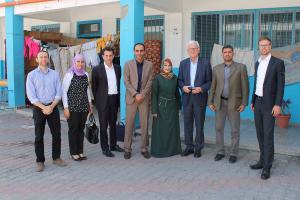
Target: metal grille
pixel 206 32
pixel 118 25
pixel 297 27
pixel 154 28
pixel 278 27
pixel 47 28
pixel 238 30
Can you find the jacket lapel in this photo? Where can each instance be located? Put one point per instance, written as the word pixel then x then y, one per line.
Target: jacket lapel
pixel 198 69
pixel 103 73
pixel 269 68
pixel 134 70
pixel 232 69
pixel 188 70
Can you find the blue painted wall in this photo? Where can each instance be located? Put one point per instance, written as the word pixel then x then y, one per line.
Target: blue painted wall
pixel 291 92
pixel 2 69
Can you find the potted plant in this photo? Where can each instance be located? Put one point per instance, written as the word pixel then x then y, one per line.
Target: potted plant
pixel 282 120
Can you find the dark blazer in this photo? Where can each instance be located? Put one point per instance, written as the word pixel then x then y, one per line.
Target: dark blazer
pixel 100 86
pixel 203 79
pixel 273 88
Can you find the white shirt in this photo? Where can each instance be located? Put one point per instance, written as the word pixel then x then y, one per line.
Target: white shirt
pixel 261 73
pixel 111 80
pixel 193 72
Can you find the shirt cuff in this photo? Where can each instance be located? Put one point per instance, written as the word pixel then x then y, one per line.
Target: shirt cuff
pixel 33 101
pixel 57 97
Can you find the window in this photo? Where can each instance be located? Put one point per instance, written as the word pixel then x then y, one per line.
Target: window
pixel 47 28
pixel 297 27
pixel 154 27
pixel 118 25
pixel 238 30
pixel 278 27
pixel 206 32
pixel 89 29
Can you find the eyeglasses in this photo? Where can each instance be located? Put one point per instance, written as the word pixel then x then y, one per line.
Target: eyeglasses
pixel 193 49
pixel 265 45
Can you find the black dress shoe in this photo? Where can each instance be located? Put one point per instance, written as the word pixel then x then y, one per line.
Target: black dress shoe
pixel 265 174
pixel 117 148
pixel 257 165
pixel 219 157
pixel 83 157
pixel 127 155
pixel 187 152
pixel 232 159
pixel 146 154
pixel 108 153
pixel 197 154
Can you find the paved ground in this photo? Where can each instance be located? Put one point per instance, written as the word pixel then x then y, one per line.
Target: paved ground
pixel 115 178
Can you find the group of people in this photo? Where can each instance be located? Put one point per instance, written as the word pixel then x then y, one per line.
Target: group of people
pixel 223 88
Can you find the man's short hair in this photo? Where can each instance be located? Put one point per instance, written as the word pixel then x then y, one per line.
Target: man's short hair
pixel 139 43
pixel 265 38
pixel 42 51
pixel 110 49
pixel 193 42
pixel 227 46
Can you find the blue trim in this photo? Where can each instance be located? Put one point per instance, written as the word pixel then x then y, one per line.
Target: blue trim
pixel 15 65
pixel 2 69
pixel 153 17
pixel 117 25
pixel 91 35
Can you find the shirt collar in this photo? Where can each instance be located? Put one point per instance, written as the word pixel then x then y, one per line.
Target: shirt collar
pixel 40 70
pixel 138 63
pixel 107 67
pixel 196 61
pixel 267 59
pixel 225 65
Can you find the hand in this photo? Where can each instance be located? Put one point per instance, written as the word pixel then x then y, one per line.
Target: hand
pixel 154 115
pixel 47 110
pixel 186 89
pixel 252 107
pixel 212 107
pixel 67 113
pixel 276 111
pixel 139 98
pixel 241 108
pixel 90 108
pixel 197 90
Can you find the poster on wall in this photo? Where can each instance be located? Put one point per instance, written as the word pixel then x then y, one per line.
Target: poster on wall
pixel 291 57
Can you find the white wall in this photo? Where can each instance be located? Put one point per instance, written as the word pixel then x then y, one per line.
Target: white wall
pixel 28 22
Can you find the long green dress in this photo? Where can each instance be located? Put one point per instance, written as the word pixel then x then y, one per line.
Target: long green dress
pixel 166 101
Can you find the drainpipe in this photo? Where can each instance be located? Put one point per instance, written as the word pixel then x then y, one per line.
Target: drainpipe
pixel 14 3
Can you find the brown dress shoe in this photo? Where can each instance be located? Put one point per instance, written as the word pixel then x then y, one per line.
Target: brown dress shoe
pixel 40 166
pixel 59 162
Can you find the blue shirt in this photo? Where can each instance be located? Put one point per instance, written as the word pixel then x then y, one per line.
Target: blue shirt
pixel 193 72
pixel 225 92
pixel 43 87
pixel 140 74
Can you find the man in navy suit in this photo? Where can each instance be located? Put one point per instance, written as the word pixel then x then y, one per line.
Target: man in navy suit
pixel 269 80
pixel 194 79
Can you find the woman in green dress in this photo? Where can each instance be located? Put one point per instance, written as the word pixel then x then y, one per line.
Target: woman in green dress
pixel 165 102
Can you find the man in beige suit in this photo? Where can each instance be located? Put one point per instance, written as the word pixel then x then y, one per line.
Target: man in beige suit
pixel 228 97
pixel 138 83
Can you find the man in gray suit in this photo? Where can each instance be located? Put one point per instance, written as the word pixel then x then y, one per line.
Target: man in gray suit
pixel 138 82
pixel 228 97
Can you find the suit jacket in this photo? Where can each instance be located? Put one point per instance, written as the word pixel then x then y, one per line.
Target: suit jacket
pixel 131 80
pixel 202 79
pixel 238 86
pixel 100 85
pixel 273 88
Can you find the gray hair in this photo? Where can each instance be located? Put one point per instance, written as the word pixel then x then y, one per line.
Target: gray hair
pixel 193 42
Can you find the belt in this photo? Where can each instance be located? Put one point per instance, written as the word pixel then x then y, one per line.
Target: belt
pixel 258 98
pixel 224 98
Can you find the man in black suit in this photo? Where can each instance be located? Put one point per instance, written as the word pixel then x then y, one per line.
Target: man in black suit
pixel 194 79
pixel 106 90
pixel 266 101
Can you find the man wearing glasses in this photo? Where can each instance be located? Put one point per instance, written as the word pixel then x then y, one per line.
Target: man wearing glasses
pixel 266 102
pixel 194 80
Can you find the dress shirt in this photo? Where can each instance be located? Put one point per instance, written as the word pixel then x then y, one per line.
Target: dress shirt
pixel 140 75
pixel 43 87
pixel 193 72
pixel 261 73
pixel 225 92
pixel 111 80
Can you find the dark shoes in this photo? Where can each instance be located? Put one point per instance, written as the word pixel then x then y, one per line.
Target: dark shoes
pixel 76 157
pixel 197 154
pixel 146 154
pixel 265 174
pixel 82 157
pixel 219 157
pixel 108 153
pixel 127 155
pixel 257 165
pixel 187 152
pixel 232 159
pixel 117 148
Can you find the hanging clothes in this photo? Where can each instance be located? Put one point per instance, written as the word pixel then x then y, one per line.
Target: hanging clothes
pixel 64 55
pixel 31 47
pixel 55 57
pixel 73 51
pixel 90 54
